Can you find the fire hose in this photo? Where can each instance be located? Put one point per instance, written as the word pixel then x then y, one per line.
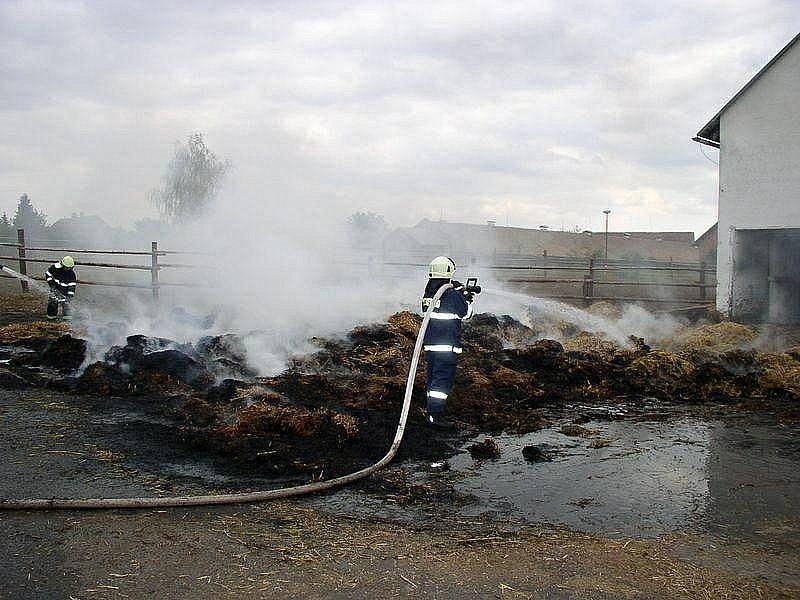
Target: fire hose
pixel 243 497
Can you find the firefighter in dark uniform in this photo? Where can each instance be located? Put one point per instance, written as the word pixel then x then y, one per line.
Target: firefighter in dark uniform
pixel 442 342
pixel 62 280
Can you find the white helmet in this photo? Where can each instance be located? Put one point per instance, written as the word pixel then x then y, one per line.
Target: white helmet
pixel 441 267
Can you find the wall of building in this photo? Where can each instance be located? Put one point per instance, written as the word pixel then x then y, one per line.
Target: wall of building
pixel 759 158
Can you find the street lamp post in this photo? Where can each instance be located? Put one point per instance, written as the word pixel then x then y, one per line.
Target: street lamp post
pixel 605 212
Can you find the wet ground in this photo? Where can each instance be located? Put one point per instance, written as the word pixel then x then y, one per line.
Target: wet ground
pixel 634 477
pixel 717 493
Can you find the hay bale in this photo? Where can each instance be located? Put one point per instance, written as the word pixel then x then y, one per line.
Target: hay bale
pixel 347 423
pixel 261 419
pixel 104 380
pixel 388 358
pixel 606 310
pixel 16 332
pixel 507 384
pixel 65 354
pixel 158 383
pixel 719 337
pixel 591 343
pixel 781 372
pixel 270 419
pixel 405 323
pixel 660 365
pixel 198 413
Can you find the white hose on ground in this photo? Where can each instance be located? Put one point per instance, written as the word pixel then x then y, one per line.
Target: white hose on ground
pixel 298 490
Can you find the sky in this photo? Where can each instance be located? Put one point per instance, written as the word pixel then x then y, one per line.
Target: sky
pixel 529 113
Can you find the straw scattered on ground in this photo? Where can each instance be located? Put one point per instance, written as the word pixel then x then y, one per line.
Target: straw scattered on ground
pixel 14 332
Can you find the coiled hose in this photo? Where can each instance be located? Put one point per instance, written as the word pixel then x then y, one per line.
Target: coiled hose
pixel 298 490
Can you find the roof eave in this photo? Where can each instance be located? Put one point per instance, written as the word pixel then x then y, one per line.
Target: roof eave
pixel 709 134
pixel 708 142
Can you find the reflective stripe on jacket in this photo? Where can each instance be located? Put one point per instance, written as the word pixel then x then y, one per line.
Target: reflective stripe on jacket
pixel 61 279
pixel 444 328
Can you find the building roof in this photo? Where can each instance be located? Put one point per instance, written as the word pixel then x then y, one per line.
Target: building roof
pixel 467 239
pixel 709 133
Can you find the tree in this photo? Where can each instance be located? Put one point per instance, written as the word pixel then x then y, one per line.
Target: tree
pixel 366 228
pixel 5 226
pixel 28 218
pixel 193 178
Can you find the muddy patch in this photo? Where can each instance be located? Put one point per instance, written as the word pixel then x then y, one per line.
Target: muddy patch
pixel 734 477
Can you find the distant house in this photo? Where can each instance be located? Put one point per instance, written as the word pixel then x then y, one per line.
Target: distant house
pixel 470 243
pixel 758 249
pixel 85 230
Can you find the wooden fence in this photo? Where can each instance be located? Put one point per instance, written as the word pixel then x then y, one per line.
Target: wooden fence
pixel 587 280
pixel 22 259
pixel 582 280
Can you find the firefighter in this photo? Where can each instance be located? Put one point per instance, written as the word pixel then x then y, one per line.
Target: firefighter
pixel 61 278
pixel 442 343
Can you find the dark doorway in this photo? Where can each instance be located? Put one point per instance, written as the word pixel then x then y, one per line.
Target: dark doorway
pixel 766 276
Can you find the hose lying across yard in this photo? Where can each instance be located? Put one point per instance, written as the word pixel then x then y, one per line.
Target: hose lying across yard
pixel 298 490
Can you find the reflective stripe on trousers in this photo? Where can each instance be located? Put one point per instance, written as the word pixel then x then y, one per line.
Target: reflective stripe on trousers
pixel 441 374
pixel 443 348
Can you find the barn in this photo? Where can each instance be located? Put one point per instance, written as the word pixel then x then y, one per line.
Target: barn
pixel 758 236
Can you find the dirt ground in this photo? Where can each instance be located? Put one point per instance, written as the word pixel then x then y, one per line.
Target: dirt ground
pixel 284 550
pixel 54 446
pixel 58 445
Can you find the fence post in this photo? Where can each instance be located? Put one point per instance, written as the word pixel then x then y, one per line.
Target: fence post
pixel 154 269
pixel 702 281
pixel 588 284
pixel 23 266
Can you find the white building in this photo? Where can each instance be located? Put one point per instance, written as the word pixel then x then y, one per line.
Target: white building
pixel 758 136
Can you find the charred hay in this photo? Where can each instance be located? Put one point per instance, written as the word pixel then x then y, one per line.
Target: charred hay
pixel 534 454
pixel 486 449
pixel 346 396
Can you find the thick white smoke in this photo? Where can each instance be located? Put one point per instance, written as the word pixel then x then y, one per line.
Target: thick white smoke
pixel 278 272
pixel 275 272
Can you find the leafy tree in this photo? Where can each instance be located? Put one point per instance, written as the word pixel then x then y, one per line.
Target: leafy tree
pixel 366 228
pixel 5 226
pixel 28 218
pixel 193 178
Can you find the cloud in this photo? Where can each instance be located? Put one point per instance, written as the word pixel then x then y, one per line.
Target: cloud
pixel 539 113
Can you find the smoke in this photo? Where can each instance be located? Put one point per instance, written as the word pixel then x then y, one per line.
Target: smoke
pixel 278 272
pixel 548 317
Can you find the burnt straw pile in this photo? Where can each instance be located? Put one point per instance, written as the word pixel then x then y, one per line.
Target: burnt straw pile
pixel 344 399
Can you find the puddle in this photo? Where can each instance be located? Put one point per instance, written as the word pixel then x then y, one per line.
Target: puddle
pixel 653 478
pixel 736 478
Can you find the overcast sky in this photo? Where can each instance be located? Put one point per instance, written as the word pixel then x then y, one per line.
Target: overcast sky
pixel 529 112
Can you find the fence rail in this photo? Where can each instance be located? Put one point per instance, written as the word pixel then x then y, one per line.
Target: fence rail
pixel 657 274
